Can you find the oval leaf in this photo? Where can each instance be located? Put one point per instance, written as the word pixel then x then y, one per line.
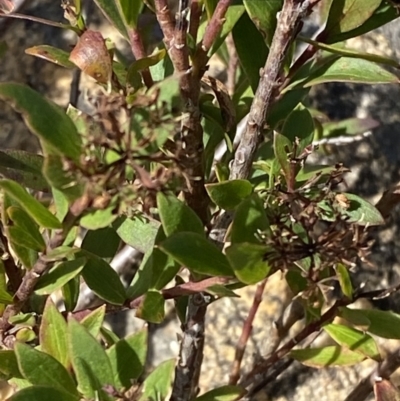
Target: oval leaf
pixel 103 280
pixel 94 320
pixel 159 382
pixel 138 232
pixel 247 261
pixel 42 369
pixel 250 218
pixel 42 393
pixel 228 194
pixel 327 356
pixel 49 122
pixel 176 216
pixel 53 334
pixel 384 324
pixel 23 221
pixel 24 168
pixel 59 276
pixel 33 207
pixel 362 212
pixel 127 358
pixel 354 339
pixel 197 254
pixel 346 15
pixel 89 360
pixel 152 308
pixel 345 69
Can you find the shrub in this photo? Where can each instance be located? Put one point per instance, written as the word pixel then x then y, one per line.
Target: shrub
pixel 208 179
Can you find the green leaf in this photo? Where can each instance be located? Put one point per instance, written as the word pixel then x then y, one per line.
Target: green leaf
pixel 349 126
pixel 231 17
pixel 70 293
pixel 228 194
pixel 333 355
pixel 354 339
pixel 33 207
pixel 383 14
pixel 130 10
pixel 158 384
pixel 156 270
pixel 22 220
pixel 251 48
pixel 355 317
pixel 52 54
pixel 49 122
pixel 385 390
pixel 299 124
pixel 152 308
pixel 98 219
pixel 103 242
pixel 53 334
pixel 103 280
pixel 42 393
pixel 224 393
pixel 196 253
pixel 5 297
pixel 247 262
pixel 111 12
pixel 89 360
pixel 347 15
pixel 141 64
pixel 282 147
pixel 250 218
pixel 59 275
pixel 345 69
pixel 385 324
pixel 138 231
pixel 108 337
pixel 127 358
pixel 9 364
pixel 176 216
pixel 64 181
pixel 343 51
pixel 362 212
pixel 42 369
pixel 20 236
pixel 94 320
pixel 344 280
pixel 263 14
pixel 24 168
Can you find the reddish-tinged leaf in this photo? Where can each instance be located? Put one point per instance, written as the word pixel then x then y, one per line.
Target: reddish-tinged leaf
pixel 92 57
pixel 384 390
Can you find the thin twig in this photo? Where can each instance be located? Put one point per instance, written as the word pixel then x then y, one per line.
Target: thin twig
pixel 192 159
pixel 288 24
pixel 32 276
pixel 139 52
pixel 246 332
pixel 195 15
pixel 264 365
pixel 40 21
pixel 232 66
